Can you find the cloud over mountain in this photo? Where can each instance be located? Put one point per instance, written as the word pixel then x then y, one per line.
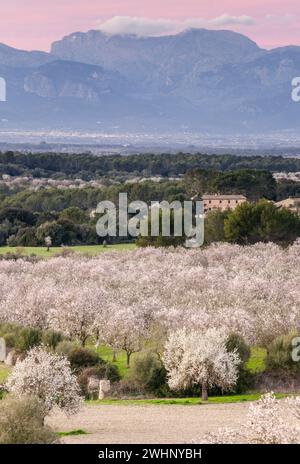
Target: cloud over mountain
pixel 144 27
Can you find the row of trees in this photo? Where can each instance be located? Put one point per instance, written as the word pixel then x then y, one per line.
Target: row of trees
pixel 190 359
pixel 249 223
pixel 88 166
pixel 254 184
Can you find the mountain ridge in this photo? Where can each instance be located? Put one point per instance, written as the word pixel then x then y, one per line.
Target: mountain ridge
pixel 199 80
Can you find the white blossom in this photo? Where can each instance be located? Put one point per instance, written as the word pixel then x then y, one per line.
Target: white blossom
pixel 200 358
pixel 254 291
pixel 269 421
pixel 47 376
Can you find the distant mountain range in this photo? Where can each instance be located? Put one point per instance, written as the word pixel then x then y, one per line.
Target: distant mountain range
pixel 199 80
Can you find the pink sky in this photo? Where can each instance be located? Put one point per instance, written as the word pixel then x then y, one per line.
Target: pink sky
pixel 34 24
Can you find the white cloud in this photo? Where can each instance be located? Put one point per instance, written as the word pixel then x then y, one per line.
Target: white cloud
pixel 137 25
pixel 152 27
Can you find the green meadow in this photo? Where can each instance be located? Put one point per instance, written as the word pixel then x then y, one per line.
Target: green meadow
pixel 42 252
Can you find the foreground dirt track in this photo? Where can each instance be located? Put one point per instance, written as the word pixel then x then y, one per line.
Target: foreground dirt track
pixel 149 424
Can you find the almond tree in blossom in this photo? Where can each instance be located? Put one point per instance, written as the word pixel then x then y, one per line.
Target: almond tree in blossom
pixel 269 421
pixel 73 312
pixel 124 329
pixel 200 358
pixel 47 376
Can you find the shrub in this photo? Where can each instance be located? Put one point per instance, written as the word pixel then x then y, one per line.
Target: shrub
pixel 6 328
pixel 9 332
pixel 279 355
pixel 245 382
pixel 51 338
pixel 148 372
pixel 245 378
pixel 83 379
pixel 112 373
pixel 65 347
pixel 127 388
pixel 10 339
pixel 22 422
pixel 28 338
pixel 24 338
pixel 236 342
pixel 24 237
pixel 82 357
pixel 79 357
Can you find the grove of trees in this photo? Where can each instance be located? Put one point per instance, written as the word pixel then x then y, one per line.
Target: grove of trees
pixel 124 299
pixel 88 166
pixel 28 218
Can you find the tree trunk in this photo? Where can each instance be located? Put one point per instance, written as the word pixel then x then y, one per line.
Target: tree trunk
pixel 83 341
pixel 114 356
pixel 204 392
pixel 128 359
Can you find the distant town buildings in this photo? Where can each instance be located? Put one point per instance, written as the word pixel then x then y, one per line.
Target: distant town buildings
pixel 225 202
pixel 222 202
pixel 294 176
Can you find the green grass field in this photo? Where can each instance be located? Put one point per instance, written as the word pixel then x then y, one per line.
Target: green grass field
pixel 184 401
pixel 256 363
pixel 89 249
pixel 4 373
pixel 106 353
